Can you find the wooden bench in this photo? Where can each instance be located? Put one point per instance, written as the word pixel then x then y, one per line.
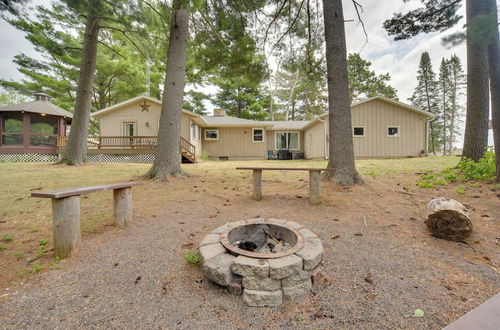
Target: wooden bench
pixel 66 212
pixel 314 180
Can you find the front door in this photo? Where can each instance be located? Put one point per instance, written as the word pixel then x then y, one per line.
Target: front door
pixel 129 130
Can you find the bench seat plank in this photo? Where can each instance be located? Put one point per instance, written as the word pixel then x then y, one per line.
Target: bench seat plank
pixel 284 168
pixel 83 190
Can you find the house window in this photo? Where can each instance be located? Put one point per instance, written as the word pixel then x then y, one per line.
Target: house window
pixel 44 130
pixel 257 135
pixel 12 129
pixel 287 140
pixel 393 131
pixel 129 129
pixel 211 134
pixel 358 131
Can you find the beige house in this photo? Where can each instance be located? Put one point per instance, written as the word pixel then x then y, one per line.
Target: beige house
pixel 381 128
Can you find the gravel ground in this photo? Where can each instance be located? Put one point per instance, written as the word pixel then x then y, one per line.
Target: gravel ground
pixel 374 275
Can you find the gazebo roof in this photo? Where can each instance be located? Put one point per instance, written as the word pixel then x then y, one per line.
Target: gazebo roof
pixel 42 104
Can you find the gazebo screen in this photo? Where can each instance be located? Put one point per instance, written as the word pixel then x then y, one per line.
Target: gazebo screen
pixel 12 129
pixel 43 130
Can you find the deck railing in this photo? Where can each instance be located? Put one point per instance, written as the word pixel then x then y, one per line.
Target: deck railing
pixel 125 142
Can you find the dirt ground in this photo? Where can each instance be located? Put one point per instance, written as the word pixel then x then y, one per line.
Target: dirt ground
pixel 380 262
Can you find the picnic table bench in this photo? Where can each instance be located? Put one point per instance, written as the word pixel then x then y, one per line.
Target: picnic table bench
pixel 314 180
pixel 66 212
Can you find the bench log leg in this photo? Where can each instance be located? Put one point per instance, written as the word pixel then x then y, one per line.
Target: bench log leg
pixel 257 185
pixel 66 225
pixel 314 187
pixel 122 206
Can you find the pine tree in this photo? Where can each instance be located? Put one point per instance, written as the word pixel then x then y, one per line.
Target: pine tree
pixel 425 97
pixel 364 83
pixel 456 110
pixel 444 91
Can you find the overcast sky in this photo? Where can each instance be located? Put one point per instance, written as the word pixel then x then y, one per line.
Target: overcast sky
pixel 399 58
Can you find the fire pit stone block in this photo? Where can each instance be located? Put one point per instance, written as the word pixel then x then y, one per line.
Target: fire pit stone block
pixel 297 291
pixel 220 230
pixel 218 269
pixel 307 233
pixel 209 251
pixel 277 221
pixel 294 225
pixel 210 239
pixel 262 298
pixel 236 224
pixel 312 253
pixel 284 266
pixel 246 266
pixel 261 283
pixel 296 279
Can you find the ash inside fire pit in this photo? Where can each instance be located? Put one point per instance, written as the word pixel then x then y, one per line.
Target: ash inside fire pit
pixel 263 238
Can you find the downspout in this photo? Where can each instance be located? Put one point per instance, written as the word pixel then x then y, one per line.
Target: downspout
pixel 427 136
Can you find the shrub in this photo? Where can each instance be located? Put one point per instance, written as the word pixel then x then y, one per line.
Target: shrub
pixel 440 182
pixel 204 155
pixel 425 184
pixel 484 169
pixel 192 257
pixel 427 176
pixel 7 238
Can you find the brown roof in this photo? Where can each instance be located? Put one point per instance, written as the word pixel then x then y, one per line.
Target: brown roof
pixel 38 107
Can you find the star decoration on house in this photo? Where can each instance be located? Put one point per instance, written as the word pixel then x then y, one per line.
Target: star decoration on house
pixel 145 106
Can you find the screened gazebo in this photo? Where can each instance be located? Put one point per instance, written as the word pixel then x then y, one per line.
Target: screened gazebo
pixel 32 127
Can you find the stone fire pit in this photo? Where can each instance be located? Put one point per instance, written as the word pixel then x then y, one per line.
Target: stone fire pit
pixel 268 260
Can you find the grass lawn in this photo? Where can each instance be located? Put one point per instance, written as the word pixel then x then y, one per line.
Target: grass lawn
pixel 26 223
pixel 376 228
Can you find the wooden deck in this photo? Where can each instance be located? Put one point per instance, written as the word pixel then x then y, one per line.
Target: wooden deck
pixel 128 145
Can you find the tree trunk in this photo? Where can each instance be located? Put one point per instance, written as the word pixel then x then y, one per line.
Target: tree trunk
pixel 476 125
pixel 341 150
pixel 494 68
pixel 448 219
pixel 76 149
pixel 168 160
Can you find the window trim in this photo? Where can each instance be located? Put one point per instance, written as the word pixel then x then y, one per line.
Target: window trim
pixel 393 136
pixel 253 135
pixel 279 132
pixel 210 129
pixel 364 130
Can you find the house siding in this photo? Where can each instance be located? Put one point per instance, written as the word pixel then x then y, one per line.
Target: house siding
pixel 315 140
pixel 234 143
pixel 111 123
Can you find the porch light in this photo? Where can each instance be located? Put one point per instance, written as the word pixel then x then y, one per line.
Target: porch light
pixel 42 114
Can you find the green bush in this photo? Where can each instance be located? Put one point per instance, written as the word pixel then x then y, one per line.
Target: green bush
pixel 427 176
pixel 484 169
pixel 425 184
pixel 192 257
pixel 440 182
pixel 204 155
